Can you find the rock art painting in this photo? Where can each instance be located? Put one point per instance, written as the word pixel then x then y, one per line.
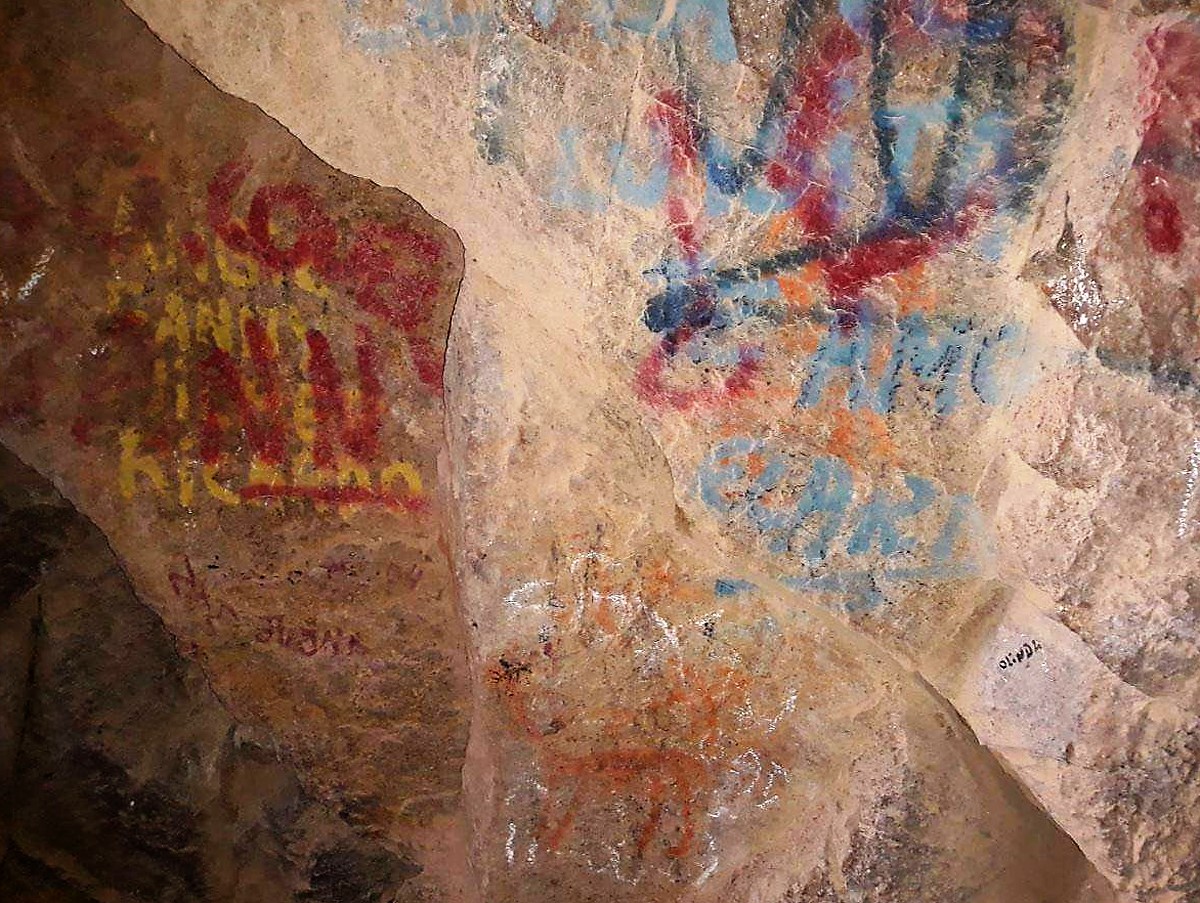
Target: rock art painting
pixel 488 451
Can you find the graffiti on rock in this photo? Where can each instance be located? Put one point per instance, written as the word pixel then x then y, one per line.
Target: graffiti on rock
pixel 1149 297
pixel 1022 653
pixel 217 334
pixel 834 535
pixel 606 21
pixel 1165 161
pixel 307 640
pixel 633 780
pixel 951 168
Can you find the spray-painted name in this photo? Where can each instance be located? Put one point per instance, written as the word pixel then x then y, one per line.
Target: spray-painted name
pixel 847 538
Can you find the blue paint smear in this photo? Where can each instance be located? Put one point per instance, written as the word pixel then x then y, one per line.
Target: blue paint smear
pixel 545 12
pixel 713 479
pixel 841 169
pixel 936 360
pixel 828 495
pixel 600 16
pixel 935 353
pixel 645 193
pixel 863 590
pixel 878 519
pixel 567 192
pixel 841 349
pixel 711 15
pixel 983 369
pixel 728 586
pixel 857 16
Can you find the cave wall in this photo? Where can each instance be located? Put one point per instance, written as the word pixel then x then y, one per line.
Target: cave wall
pixel 698 451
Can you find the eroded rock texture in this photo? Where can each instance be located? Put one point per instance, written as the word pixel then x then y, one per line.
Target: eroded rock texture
pixel 786 490
pixel 228 355
pixel 123 775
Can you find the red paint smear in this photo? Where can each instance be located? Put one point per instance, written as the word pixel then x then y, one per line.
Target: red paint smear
pixel 857 267
pixel 221 189
pixel 194 246
pixel 266 437
pixel 333 495
pixel 221 381
pixel 683 224
pixel 650 388
pixel 812 117
pixel 1041 36
pixel 119 372
pixel 316 236
pixel 373 270
pixel 816 211
pixel 1171 134
pixel 671 115
pixel 358 434
pixel 400 300
pixel 912 26
pixel 427 361
pixel 1161 219
pixel 81 429
pixel 848 272
pixel 1175 88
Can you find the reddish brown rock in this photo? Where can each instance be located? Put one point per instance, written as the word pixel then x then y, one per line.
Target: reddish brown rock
pixel 229 356
pixel 122 775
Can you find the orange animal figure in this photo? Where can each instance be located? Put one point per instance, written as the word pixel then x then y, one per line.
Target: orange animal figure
pixel 668 748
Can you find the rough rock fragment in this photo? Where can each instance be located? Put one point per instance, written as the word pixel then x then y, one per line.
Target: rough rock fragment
pixel 821 498
pixel 229 356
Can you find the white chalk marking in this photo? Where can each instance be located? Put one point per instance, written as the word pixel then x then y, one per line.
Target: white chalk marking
pixel 39 271
pixel 671 633
pixel 27 287
pixel 590 556
pixel 788 707
pixel 1078 292
pixel 1193 474
pixel 521 594
pixel 708 872
pixel 509 852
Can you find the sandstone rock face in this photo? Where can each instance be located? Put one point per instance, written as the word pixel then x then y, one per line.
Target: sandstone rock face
pixel 123 775
pixel 229 355
pixel 780 485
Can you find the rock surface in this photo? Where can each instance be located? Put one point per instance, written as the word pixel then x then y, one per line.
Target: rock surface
pixel 229 358
pixel 780 485
pixel 123 775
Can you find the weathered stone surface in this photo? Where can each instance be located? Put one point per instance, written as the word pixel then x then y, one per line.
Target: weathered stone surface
pixel 819 417
pixel 228 356
pixel 123 775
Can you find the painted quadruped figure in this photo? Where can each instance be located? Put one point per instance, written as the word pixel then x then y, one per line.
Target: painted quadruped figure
pixel 634 781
